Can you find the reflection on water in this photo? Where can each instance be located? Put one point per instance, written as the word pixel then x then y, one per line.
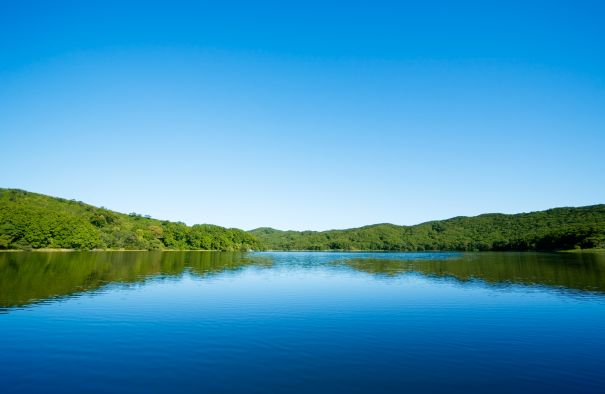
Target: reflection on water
pixel 31 277
pixel 577 271
pixel 301 322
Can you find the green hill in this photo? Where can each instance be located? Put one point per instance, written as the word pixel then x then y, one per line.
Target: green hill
pixel 554 229
pixel 33 221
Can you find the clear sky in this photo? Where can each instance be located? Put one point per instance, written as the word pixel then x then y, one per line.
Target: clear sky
pixel 308 115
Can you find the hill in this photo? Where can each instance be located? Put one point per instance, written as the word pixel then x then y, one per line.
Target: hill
pixel 33 221
pixel 554 229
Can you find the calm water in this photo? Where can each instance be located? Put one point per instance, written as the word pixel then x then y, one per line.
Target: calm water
pixel 302 322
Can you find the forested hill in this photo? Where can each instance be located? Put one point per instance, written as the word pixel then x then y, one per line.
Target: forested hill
pixel 32 221
pixel 554 229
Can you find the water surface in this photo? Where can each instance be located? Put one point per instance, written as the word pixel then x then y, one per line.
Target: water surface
pixel 302 322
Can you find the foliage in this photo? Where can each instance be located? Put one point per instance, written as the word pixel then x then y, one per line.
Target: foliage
pixel 33 221
pixel 554 229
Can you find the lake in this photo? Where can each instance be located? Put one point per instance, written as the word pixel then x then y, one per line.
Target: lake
pixel 302 322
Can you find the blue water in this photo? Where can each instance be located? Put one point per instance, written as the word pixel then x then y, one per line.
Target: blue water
pixel 302 322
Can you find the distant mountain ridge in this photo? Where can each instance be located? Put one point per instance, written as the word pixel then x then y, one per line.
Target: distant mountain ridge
pixel 33 221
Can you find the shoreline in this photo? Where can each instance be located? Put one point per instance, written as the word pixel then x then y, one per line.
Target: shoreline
pixel 59 250
pixel 51 250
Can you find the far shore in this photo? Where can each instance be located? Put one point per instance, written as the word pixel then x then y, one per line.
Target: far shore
pixel 60 250
pixel 593 250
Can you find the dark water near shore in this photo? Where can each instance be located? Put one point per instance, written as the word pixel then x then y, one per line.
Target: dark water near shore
pixel 302 322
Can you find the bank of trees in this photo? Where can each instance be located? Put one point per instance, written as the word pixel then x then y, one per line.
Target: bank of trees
pixel 554 229
pixel 33 221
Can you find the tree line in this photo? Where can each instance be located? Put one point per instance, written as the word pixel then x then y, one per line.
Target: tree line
pixel 554 229
pixel 33 221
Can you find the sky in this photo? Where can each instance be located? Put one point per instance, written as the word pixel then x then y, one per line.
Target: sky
pixel 305 115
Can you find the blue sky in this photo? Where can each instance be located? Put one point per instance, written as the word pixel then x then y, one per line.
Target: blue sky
pixel 310 115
